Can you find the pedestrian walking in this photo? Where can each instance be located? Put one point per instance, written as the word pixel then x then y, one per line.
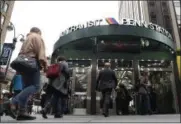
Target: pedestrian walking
pixel 143 95
pixel 31 58
pixel 60 91
pixel 106 81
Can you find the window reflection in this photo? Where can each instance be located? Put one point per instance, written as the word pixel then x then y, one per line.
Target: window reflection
pixel 2 20
pixel 2 3
pixel 81 79
pixel 5 7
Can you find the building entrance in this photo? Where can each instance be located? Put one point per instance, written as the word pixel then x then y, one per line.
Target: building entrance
pixel 80 83
pixel 161 79
pixel 125 76
pixel 160 75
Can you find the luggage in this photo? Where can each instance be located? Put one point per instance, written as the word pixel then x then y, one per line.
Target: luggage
pixel 53 71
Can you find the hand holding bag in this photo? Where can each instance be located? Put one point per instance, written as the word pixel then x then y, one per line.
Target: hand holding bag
pixel 25 64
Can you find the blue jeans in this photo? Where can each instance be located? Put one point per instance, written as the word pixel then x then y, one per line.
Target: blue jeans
pixel 31 86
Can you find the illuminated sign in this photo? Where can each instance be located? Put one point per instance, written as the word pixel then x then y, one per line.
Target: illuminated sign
pixel 119 46
pixel 112 21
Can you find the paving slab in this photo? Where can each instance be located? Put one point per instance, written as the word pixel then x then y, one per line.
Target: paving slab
pixel 70 119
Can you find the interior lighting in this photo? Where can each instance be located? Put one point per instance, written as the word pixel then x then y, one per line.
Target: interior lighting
pixel 116 60
pixel 147 43
pixel 76 69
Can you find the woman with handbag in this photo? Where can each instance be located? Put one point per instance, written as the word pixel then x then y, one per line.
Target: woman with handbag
pixel 29 62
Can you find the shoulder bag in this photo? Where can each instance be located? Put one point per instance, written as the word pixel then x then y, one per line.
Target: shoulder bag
pixel 25 64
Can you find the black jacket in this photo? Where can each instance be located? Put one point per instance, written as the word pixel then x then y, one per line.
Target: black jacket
pixel 106 80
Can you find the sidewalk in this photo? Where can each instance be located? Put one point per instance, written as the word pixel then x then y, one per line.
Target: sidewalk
pixel 100 119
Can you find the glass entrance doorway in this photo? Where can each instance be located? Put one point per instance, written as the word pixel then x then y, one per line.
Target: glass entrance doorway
pixel 163 91
pixel 80 91
pixel 125 76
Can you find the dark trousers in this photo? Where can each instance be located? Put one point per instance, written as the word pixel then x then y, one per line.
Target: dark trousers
pixel 122 105
pixel 16 92
pixel 55 101
pixel 144 104
pixel 106 100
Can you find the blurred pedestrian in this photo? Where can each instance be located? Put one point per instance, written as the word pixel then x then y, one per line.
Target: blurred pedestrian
pixel 16 85
pixel 60 91
pixel 34 49
pixel 106 81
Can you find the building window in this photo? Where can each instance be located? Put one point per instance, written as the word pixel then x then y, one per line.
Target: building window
pixel 167 21
pixel 5 8
pixel 164 4
pixel 2 3
pixel 179 26
pixel 152 3
pixel 169 30
pixel 2 20
pixel 165 11
pixel 178 17
pixel 177 3
pixel 153 17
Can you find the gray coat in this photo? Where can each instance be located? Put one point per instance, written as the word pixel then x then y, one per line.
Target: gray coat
pixel 60 83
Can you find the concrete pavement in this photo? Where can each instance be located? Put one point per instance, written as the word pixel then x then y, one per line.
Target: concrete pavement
pixel 70 119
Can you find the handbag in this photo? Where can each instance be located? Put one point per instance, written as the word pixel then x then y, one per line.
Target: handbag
pixel 25 64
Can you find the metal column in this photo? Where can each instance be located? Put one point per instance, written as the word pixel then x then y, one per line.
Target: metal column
pixel 93 80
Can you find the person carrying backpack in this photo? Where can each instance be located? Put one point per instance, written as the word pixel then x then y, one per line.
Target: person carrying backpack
pixel 59 84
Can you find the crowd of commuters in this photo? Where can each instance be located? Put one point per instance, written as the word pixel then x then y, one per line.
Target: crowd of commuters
pixel 57 91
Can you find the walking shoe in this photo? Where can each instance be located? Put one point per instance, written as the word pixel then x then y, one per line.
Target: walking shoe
pixel 105 114
pixel 23 115
pixel 58 116
pixel 44 114
pixel 11 109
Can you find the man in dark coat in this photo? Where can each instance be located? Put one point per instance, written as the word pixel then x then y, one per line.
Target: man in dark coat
pixel 106 81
